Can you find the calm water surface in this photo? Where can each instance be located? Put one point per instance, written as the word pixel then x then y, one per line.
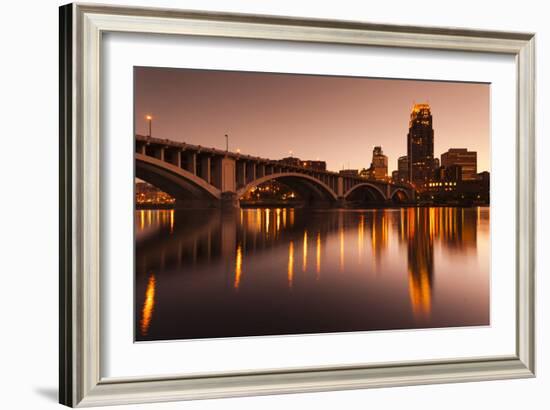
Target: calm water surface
pixel 202 274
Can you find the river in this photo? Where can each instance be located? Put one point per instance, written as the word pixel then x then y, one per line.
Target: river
pixel 276 271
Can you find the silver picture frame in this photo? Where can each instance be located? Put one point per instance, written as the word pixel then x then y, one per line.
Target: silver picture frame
pixel 81 30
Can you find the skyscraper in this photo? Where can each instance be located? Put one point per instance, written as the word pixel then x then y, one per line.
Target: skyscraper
pixel 403 168
pixel 420 146
pixel 379 164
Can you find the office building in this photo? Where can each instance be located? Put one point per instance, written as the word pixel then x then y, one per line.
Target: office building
pixel 420 146
pixel 379 164
pixel 467 160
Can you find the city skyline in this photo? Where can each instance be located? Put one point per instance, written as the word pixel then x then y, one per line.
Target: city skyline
pixel 268 213
pixel 335 119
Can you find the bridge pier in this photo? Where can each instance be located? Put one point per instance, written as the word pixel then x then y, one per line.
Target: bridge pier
pixel 229 200
pixel 340 187
pixel 341 202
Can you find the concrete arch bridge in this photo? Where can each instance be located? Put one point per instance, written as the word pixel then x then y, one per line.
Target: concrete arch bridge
pixel 206 177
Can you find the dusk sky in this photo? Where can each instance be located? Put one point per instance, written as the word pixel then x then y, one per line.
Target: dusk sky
pixel 335 119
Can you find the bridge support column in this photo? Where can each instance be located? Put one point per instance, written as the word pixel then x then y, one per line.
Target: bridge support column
pixel 341 202
pixel 229 200
pixel 228 175
pixel 177 159
pixel 389 200
pixel 340 187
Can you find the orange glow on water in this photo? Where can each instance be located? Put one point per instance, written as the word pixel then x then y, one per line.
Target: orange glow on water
pixel 238 267
pixel 402 224
pixel 259 219
pixel 304 256
pixel 141 220
pixel 290 264
pixel 425 254
pixel 318 255
pixel 342 250
pixel 431 223
pixel 360 238
pixel 267 218
pixel 148 305
pixel 420 293
pixel 385 229
pixel 422 229
pixel 373 232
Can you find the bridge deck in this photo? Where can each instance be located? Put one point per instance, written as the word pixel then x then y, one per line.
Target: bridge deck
pixel 237 156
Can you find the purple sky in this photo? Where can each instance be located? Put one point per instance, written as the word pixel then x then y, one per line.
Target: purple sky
pixel 336 119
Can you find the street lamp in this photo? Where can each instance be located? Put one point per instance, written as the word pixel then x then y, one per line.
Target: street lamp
pixel 149 119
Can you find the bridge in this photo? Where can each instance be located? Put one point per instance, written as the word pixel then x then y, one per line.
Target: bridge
pixel 198 176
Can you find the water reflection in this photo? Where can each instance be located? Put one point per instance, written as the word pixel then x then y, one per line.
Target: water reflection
pixel 202 254
pixel 342 249
pixel 360 238
pixel 304 256
pixel 420 258
pixel 318 256
pixel 148 306
pixel 290 269
pixel 238 266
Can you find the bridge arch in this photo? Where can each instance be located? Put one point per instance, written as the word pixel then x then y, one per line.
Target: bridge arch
pixel 365 190
pixel 400 195
pixel 309 188
pixel 175 181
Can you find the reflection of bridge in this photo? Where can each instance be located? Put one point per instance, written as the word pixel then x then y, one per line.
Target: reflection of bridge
pixel 199 176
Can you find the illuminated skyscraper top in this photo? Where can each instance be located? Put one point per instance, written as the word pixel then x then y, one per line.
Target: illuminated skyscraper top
pixel 420 145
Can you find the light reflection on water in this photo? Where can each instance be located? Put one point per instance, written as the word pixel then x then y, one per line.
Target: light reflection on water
pixel 238 266
pixel 287 271
pixel 148 306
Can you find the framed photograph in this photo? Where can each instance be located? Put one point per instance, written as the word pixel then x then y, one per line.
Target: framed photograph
pixel 258 205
